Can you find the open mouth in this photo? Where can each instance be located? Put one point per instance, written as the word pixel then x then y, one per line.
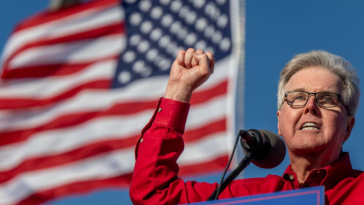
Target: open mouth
pixel 310 126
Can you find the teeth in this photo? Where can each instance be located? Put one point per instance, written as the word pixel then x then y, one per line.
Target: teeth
pixel 310 126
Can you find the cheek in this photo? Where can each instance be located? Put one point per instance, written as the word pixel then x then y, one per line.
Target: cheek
pixel 288 122
pixel 336 124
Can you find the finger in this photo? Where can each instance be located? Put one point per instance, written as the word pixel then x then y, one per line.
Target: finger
pixel 199 51
pixel 211 58
pixel 194 61
pixel 188 57
pixel 181 58
pixel 203 63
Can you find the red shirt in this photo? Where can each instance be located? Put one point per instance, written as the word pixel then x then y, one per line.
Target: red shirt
pixel 155 179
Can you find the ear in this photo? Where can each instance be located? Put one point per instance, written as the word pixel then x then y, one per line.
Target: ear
pixel 349 126
pixel 279 130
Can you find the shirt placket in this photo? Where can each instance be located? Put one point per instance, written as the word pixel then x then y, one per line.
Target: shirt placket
pixel 291 178
pixel 315 178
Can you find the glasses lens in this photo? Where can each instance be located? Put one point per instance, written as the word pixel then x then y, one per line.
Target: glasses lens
pixel 297 99
pixel 327 99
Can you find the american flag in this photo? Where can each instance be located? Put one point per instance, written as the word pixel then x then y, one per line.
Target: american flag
pixel 79 84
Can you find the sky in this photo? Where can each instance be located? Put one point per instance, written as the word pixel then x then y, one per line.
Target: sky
pixel 275 32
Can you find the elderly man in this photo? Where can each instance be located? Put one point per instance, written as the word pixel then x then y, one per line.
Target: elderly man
pixel 317 100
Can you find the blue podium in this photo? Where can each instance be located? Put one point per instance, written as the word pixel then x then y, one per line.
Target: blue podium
pixel 305 196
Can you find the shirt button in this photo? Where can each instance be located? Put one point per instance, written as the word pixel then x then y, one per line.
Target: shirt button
pixel 160 110
pixel 291 177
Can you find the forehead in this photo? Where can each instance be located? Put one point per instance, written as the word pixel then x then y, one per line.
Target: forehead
pixel 315 79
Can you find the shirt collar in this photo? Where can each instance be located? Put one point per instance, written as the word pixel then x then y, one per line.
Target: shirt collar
pixel 328 176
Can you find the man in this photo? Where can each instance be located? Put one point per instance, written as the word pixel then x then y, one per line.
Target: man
pixel 317 100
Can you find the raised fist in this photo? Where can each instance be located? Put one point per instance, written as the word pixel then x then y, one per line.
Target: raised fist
pixel 190 69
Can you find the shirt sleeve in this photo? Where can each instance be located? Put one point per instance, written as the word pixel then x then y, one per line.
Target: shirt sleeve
pixel 155 179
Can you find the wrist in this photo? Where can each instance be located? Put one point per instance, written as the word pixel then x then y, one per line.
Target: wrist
pixel 178 93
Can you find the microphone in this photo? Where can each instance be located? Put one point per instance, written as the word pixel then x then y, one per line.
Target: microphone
pixel 262 147
pixel 266 149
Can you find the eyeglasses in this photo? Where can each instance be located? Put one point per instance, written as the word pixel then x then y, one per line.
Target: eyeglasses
pixel 298 99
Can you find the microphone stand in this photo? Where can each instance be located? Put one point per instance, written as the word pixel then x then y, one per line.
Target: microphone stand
pixel 258 148
pixel 242 165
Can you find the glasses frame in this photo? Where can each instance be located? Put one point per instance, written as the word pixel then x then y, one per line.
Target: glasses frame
pixel 315 94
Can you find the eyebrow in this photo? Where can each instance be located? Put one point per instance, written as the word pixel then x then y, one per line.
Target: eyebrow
pixel 299 89
pixel 304 90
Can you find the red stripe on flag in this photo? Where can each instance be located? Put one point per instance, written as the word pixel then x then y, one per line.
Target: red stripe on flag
pixel 38 71
pixel 116 182
pixel 110 30
pixel 125 108
pixel 76 119
pixel 122 181
pixel 22 103
pixel 212 127
pixel 19 103
pixel 203 96
pixel 49 16
pixel 75 155
pixel 97 148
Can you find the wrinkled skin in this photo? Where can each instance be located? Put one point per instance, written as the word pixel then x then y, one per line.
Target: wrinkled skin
pixel 335 125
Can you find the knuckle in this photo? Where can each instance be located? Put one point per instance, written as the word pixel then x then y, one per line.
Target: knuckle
pixel 205 72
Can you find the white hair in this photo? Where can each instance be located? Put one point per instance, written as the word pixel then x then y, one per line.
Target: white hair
pixel 335 64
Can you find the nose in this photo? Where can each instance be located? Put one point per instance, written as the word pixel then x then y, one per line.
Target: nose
pixel 311 106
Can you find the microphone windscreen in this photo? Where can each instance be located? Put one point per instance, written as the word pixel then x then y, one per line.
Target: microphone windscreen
pixel 276 153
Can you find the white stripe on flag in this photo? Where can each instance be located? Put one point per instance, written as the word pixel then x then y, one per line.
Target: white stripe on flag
pixel 99 100
pixel 57 141
pixel 99 167
pixel 214 145
pixel 102 167
pixel 100 19
pixel 51 86
pixel 200 114
pixel 53 142
pixel 80 22
pixel 75 52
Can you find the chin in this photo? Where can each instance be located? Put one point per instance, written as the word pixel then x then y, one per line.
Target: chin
pixel 308 148
pixel 308 143
pixel 310 138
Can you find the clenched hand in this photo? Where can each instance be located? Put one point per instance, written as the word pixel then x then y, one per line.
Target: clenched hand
pixel 190 69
